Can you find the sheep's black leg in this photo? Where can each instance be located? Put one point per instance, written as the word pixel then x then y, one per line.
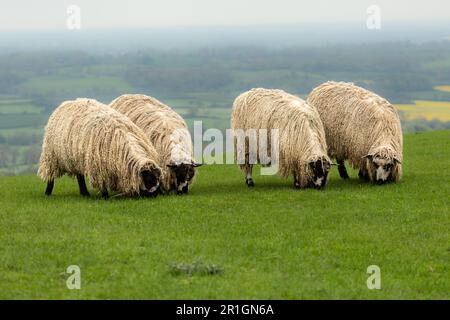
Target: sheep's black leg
pixel 296 183
pixel 248 176
pixel 82 184
pixel 49 189
pixel 341 168
pixel 363 175
pixel 105 194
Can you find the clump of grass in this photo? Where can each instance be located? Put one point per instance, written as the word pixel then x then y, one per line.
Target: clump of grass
pixel 195 268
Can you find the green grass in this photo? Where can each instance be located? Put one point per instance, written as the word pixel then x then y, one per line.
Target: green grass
pixel 268 242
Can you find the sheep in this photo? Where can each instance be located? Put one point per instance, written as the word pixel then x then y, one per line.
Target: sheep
pixel 360 127
pixel 86 137
pixel 167 130
pixel 301 143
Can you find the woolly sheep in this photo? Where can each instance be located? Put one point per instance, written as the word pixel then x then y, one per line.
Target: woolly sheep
pixel 167 130
pixel 360 127
pixel 86 137
pixel 302 147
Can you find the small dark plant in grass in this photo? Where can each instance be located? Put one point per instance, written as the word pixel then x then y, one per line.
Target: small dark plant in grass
pixel 195 268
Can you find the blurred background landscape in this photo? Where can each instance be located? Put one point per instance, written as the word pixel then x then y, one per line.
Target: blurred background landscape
pixel 199 70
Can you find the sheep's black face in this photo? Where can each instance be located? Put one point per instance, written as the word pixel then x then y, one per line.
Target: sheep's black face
pixel 184 173
pixel 320 169
pixel 380 169
pixel 150 178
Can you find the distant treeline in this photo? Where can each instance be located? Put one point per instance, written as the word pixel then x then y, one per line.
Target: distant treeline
pixel 399 71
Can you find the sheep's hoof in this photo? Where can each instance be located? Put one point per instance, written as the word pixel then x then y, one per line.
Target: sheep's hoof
pixel 179 192
pixel 250 183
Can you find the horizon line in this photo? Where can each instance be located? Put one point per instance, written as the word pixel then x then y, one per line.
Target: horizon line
pixel 405 22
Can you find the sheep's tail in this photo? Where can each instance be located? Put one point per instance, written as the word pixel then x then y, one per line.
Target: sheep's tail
pixel 48 169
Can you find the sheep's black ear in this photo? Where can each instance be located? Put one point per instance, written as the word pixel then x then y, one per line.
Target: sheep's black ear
pixel 195 164
pixel 172 166
pixel 397 160
pixel 368 156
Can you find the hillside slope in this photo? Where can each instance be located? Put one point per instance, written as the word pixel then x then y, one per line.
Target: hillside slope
pixel 270 241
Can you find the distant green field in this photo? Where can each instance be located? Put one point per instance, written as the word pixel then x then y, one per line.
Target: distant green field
pixel 17 120
pixel 16 105
pixel 76 86
pixel 437 64
pixel 271 242
pixel 5 100
pixel 26 108
pixel 31 130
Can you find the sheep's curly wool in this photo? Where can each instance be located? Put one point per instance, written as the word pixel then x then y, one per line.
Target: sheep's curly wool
pixel 165 128
pixel 87 137
pixel 358 123
pixel 301 134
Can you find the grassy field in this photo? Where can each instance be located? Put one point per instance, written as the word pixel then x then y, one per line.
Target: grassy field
pixel 269 242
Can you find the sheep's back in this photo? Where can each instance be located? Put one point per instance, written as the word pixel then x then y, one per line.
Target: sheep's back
pixel 87 137
pixel 273 109
pixel 301 134
pixel 352 117
pixel 157 120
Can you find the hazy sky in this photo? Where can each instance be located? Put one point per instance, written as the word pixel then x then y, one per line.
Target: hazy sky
pixel 51 14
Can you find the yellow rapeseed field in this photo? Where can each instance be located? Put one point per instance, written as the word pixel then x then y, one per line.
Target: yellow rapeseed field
pixel 428 109
pixel 442 88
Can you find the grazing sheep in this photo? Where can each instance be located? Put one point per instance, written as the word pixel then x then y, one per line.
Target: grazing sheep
pixel 361 127
pixel 302 147
pixel 168 132
pixel 86 137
